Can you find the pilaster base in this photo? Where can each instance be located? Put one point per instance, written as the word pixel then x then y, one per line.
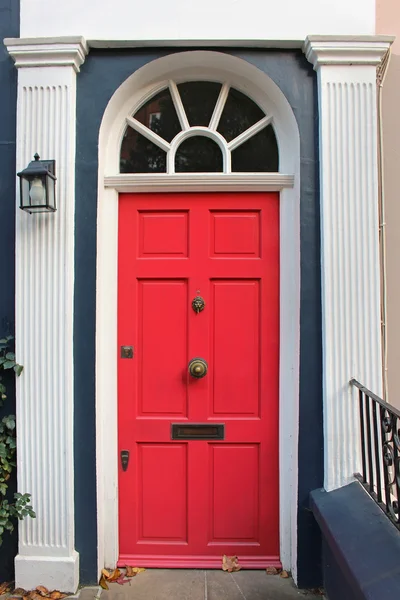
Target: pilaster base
pixel 54 572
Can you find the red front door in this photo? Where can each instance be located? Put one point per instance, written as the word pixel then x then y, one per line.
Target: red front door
pixel 186 502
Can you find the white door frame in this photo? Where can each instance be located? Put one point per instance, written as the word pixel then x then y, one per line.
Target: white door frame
pixel 196 65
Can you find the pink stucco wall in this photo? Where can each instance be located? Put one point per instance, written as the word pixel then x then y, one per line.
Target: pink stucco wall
pixel 388 22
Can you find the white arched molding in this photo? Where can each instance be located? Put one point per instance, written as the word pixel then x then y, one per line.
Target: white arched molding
pixel 46 122
pixel 199 131
pixel 350 268
pixel 133 93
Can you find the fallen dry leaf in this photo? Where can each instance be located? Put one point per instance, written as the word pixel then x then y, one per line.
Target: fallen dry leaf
pixel 103 582
pixel 6 586
pixel 138 569
pixel 284 574
pixel 114 575
pixel 105 573
pixel 43 591
pixel 230 564
pixel 56 595
pixel 121 579
pixel 19 592
pixel 272 570
pixel 34 595
pixel 129 571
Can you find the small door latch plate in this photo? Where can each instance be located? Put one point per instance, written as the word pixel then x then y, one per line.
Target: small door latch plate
pixel 124 459
pixel 126 351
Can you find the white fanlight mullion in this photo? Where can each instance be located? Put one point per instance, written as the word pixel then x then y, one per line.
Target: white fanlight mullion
pixel 246 135
pixel 180 109
pixel 148 133
pixel 219 107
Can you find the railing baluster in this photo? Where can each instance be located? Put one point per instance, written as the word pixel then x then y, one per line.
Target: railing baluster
pixel 396 468
pixel 369 443
pixel 377 453
pixel 385 466
pixel 380 451
pixel 362 427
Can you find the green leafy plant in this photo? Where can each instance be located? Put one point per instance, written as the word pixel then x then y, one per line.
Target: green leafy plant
pixel 20 507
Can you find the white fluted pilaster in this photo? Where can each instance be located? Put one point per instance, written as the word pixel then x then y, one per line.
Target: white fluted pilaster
pixel 44 316
pixel 350 268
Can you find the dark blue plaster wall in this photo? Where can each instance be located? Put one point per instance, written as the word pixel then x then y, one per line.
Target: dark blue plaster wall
pixel 102 73
pixel 361 546
pixel 9 27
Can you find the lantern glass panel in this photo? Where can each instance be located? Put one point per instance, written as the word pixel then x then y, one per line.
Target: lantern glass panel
pixel 25 198
pixel 37 198
pixel 51 195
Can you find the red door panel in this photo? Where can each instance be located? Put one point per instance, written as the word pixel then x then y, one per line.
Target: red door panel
pixel 169 463
pixel 235 485
pixel 186 503
pixel 235 334
pixel 163 394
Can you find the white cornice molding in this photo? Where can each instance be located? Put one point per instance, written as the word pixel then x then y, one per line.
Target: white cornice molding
pixel 48 52
pixel 199 182
pixel 346 50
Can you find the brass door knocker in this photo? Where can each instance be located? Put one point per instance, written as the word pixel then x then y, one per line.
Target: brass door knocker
pixel 198 304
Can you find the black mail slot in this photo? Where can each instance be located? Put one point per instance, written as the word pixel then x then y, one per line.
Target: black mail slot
pixel 197 431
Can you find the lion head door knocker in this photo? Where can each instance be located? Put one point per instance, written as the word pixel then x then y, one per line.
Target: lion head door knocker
pixel 198 304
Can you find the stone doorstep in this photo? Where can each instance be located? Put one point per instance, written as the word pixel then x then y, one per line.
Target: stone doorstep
pixel 194 584
pixel 198 584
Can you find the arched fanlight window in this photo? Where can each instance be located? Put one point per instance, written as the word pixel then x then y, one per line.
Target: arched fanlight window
pixel 199 127
pixel 198 155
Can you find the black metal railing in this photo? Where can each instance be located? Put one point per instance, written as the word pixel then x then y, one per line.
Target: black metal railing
pixel 380 451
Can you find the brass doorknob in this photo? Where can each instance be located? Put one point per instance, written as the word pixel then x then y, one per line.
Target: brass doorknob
pixel 198 367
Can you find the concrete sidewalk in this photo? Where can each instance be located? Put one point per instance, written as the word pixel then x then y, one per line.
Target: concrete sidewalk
pixel 177 584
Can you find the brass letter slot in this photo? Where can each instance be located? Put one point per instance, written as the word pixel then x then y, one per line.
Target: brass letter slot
pixel 197 431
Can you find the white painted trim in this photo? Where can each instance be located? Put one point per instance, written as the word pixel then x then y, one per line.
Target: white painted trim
pixel 54 572
pixel 148 133
pixel 200 182
pixel 46 123
pixel 195 65
pixel 171 43
pixel 356 50
pixel 193 43
pixel 246 135
pixel 350 268
pixel 204 132
pixel 39 52
pixel 180 110
pixel 197 43
pixel 219 107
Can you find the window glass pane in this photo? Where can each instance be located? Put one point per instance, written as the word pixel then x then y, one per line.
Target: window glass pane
pixel 139 155
pixel 198 155
pixel 259 153
pixel 160 116
pixel 239 114
pixel 199 99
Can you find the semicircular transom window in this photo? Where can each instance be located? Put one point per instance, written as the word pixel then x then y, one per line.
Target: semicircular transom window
pixel 199 127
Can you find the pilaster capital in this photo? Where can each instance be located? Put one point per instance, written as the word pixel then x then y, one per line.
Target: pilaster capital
pixel 48 52
pixel 346 50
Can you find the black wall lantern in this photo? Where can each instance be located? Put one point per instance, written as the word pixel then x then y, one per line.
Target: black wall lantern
pixel 38 183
